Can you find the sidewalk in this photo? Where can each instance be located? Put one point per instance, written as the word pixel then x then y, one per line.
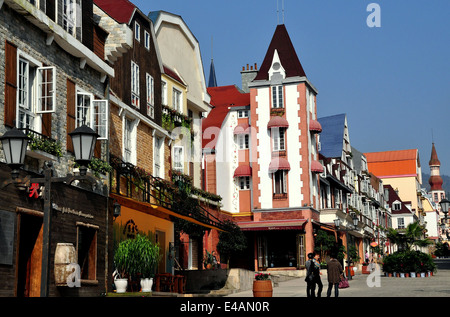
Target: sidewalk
pixel 363 285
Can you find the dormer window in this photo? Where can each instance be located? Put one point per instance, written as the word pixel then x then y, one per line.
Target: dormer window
pixel 69 17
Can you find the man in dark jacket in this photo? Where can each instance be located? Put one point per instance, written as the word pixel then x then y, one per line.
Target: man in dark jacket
pixel 335 273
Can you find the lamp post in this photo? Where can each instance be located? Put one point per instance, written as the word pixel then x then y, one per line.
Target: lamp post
pixel 14 146
pixel 445 205
pixel 337 223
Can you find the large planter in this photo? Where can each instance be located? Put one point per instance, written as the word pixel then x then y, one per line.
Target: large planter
pixel 365 269
pixel 262 288
pixel 146 284
pixel 351 269
pixel 121 285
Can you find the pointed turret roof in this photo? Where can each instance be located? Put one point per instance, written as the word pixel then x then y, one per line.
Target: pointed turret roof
pixel 434 161
pixel 288 57
pixel 212 75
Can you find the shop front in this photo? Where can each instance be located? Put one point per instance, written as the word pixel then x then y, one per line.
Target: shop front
pixel 77 240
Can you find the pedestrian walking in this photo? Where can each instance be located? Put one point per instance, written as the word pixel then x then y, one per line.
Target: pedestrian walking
pixel 317 278
pixel 335 274
pixel 310 278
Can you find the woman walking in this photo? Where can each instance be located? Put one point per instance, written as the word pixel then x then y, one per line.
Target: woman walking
pixel 335 273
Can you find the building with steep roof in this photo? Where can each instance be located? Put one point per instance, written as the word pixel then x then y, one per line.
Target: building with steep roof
pixel 435 180
pixel 401 169
pixel 265 159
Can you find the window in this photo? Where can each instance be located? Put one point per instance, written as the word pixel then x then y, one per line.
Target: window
pixel 150 97
pixel 401 223
pixel 92 112
pixel 396 206
pixel 128 144
pixel 134 84
pixel 137 31
pixel 163 93
pixel 39 4
pixel 87 251
pixel 176 100
pixel 244 182
pixel 243 141
pixel 178 161
pixel 159 146
pixel 147 40
pixel 70 16
pixel 242 113
pixel 36 92
pixel 278 138
pixel 436 199
pixel 277 97
pixel 279 182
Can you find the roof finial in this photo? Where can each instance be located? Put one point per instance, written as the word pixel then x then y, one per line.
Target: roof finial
pixel 282 11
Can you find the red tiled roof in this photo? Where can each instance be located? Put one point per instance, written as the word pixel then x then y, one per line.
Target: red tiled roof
pixel 222 98
pixel 393 163
pixel 169 72
pixel 119 10
pixel 288 57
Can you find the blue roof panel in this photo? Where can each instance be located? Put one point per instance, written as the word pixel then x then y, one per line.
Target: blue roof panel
pixel 332 136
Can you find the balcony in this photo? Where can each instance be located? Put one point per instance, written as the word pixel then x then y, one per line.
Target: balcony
pixel 42 147
pixel 133 182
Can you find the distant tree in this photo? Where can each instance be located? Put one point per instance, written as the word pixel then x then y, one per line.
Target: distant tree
pixel 231 242
pixel 413 235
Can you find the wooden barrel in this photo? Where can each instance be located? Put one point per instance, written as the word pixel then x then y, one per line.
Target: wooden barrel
pixel 262 288
pixel 65 255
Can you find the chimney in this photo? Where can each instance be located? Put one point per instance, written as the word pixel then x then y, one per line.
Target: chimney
pixel 248 74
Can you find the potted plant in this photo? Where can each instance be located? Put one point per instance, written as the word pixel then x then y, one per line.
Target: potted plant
pixel 208 260
pixel 135 258
pixel 262 285
pixel 148 256
pixel 123 264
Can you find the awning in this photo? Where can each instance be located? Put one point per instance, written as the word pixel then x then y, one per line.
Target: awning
pixel 243 170
pixel 277 122
pixel 285 224
pixel 314 126
pixel 243 128
pixel 316 167
pixel 279 164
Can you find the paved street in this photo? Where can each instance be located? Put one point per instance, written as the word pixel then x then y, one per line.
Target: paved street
pixel 363 285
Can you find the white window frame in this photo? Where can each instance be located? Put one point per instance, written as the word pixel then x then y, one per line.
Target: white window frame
pixel 243 141
pixel 135 98
pixel 401 223
pixel 279 139
pixel 178 158
pixel 137 31
pixel 147 40
pixel 150 96
pixel 242 114
pixel 30 92
pixel 50 88
pixel 71 14
pixel 283 180
pixel 96 113
pixel 163 92
pixel 277 96
pixel 176 99
pixel 129 139
pixel 244 182
pixel 158 155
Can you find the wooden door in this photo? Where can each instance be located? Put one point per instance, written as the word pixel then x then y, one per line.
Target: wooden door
pixel 35 267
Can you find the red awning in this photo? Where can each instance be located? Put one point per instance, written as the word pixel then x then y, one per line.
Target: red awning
pixel 314 126
pixel 243 128
pixel 279 163
pixel 285 224
pixel 277 122
pixel 243 170
pixel 316 167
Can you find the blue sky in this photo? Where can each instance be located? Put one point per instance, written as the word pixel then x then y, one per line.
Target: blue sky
pixel 393 82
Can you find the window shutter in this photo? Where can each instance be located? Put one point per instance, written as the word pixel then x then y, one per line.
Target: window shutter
pixel 70 113
pixel 47 124
pixel 10 84
pixel 60 13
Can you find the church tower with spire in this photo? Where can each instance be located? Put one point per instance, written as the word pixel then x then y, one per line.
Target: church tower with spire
pixel 435 181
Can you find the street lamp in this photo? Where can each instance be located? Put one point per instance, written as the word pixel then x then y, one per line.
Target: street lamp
pixel 445 205
pixel 14 146
pixel 337 223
